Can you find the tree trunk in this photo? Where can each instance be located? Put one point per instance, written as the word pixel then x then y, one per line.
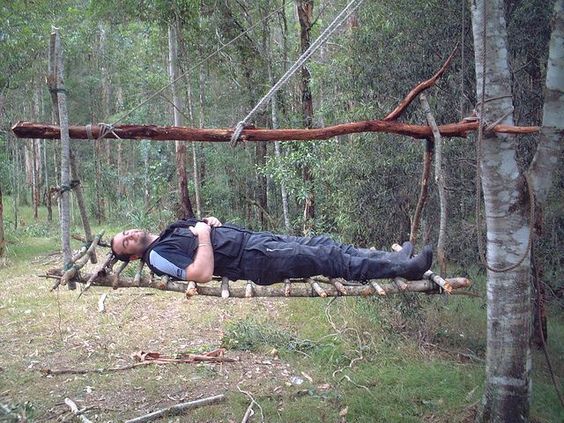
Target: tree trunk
pixel 46 193
pixel 508 358
pixel 305 15
pixel 2 240
pixel 106 87
pixel 35 162
pixel 549 149
pixel 80 198
pixel 57 57
pixel 15 185
pixel 185 204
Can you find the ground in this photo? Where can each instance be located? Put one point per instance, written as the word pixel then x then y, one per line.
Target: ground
pixel 303 360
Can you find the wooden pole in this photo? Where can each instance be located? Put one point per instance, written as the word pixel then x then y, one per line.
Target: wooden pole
pixel 168 133
pixel 440 181
pixel 57 86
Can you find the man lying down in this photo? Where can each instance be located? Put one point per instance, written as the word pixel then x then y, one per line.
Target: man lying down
pixel 196 250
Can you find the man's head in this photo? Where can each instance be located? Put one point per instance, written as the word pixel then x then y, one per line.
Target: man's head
pixel 130 244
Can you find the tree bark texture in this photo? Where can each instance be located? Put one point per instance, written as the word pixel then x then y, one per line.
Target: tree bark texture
pixel 549 152
pixel 440 181
pixel 24 129
pixel 423 191
pixel 57 55
pixel 77 189
pixel 184 200
pixel 305 16
pixel 508 359
pixel 2 239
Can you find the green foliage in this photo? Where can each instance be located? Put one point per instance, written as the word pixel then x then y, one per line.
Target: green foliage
pixel 249 335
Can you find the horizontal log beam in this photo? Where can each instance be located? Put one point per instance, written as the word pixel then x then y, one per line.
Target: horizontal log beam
pixel 299 288
pixel 168 133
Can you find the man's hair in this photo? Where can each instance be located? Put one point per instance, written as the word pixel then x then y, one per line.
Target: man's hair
pixel 122 257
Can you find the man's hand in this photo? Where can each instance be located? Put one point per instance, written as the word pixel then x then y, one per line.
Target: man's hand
pixel 212 221
pixel 200 228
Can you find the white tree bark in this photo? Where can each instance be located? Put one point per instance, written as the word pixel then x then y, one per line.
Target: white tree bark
pixel 550 146
pixel 57 57
pixel 507 392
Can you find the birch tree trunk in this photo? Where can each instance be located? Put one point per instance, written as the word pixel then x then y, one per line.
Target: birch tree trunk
pixel 507 392
pixel 185 204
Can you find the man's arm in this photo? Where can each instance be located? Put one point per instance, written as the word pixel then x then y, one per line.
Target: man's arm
pixel 201 269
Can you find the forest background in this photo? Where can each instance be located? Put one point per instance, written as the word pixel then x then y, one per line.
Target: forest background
pixel 361 188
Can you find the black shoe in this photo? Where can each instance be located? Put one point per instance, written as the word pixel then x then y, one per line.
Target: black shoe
pixel 406 249
pixel 415 268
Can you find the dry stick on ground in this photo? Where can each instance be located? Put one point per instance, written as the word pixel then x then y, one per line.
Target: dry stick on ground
pixel 76 411
pixel 215 356
pixel 299 289
pixel 440 181
pixel 177 409
pixel 101 300
pixel 250 408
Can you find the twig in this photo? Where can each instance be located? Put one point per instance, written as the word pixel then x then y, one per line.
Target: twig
pixel 253 401
pixel 177 409
pixel 76 411
pixel 101 307
pixel 249 413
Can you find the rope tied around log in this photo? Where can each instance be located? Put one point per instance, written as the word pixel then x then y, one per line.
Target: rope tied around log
pixel 105 129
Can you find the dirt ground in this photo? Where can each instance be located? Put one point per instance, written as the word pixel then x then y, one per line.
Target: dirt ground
pixel 57 330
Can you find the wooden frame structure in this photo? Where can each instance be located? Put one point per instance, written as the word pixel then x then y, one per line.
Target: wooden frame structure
pixel 317 286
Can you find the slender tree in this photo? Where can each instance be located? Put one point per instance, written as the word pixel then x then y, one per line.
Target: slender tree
pixel 305 15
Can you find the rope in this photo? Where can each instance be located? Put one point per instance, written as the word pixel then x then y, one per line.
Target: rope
pixel 339 19
pixel 483 100
pixel 105 129
pixel 199 63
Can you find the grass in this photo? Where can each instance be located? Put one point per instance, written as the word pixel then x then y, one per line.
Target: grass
pixel 303 360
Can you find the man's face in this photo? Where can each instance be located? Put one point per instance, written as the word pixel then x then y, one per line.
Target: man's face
pixel 131 242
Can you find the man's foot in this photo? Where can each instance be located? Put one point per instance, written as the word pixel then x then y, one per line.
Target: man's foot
pixel 406 249
pixel 416 267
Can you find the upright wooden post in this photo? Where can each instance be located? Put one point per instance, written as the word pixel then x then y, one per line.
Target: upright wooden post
pixel 57 88
pixel 185 204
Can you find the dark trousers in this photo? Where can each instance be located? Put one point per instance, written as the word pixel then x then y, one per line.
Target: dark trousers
pixel 268 258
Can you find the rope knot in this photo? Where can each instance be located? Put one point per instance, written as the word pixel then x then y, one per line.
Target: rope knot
pixel 237 133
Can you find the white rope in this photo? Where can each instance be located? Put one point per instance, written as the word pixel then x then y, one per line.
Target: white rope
pixel 341 17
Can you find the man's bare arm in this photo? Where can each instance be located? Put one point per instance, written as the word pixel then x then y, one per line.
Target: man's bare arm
pixel 201 270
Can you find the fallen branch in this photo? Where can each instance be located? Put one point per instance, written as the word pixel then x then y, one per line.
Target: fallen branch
pixel 76 411
pixel 177 409
pixel 145 358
